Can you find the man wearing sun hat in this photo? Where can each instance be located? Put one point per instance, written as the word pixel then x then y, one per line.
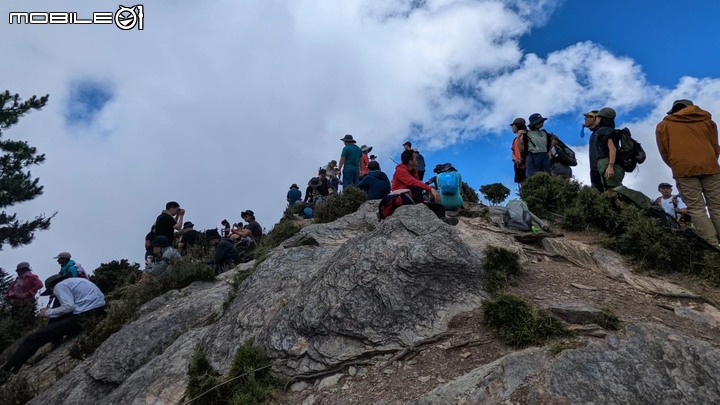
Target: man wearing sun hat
pixel 294 195
pixel 349 164
pixel 687 139
pixel 79 299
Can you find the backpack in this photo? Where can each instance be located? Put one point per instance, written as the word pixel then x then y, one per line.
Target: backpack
pixel 565 155
pixel 447 183
pixel 527 140
pixel 630 153
pixel 307 212
pixel 81 272
pixel 389 204
pixel 517 215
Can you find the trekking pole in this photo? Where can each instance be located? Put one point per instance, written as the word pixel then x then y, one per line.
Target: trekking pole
pixel 537 220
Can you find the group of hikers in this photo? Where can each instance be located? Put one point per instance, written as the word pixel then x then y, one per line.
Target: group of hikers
pixel 169 238
pixel 73 300
pixel 687 140
pixel 442 193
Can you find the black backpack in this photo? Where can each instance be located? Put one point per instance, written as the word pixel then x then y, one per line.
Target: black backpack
pixel 391 202
pixel 565 155
pixel 630 153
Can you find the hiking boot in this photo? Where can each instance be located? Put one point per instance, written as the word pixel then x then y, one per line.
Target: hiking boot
pixel 450 220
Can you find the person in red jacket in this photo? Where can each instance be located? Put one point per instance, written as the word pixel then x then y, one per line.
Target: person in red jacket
pixel 405 178
pixel 21 292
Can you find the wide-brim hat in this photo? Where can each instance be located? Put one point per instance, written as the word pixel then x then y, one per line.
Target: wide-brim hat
pixel 373 157
pixel 294 186
pixel 246 213
pixel 536 119
pixel 348 138
pixel 188 224
pixel 50 283
pixel 211 234
pixel 160 241
pixel 366 149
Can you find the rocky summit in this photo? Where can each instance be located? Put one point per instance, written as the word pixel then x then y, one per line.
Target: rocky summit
pixel 361 311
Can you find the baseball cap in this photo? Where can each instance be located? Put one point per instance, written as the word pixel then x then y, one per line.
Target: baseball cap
pixel 661 185
pixel 518 121
pixel 591 114
pixel 23 266
pixel 607 112
pixel 684 102
pixel 64 255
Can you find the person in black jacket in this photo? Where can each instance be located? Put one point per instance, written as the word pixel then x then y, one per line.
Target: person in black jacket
pixel 226 254
pixel 376 183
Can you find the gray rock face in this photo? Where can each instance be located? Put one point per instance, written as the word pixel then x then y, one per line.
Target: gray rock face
pixel 648 364
pixel 359 292
pixel 577 313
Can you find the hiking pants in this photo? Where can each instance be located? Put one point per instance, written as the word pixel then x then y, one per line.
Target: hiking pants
pixel 537 162
pixel 596 180
pixel 699 192
pixel 618 174
pixel 437 208
pixel 351 176
pixel 53 332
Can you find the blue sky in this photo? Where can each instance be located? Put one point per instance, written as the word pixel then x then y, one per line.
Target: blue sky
pixel 223 111
pixel 666 39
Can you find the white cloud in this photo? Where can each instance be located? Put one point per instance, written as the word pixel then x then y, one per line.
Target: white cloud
pixel 221 105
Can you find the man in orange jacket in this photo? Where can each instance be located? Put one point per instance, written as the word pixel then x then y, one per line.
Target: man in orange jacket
pixel 688 142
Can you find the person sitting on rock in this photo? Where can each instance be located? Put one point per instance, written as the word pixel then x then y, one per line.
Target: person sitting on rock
pixel 148 241
pixel 226 228
pixel 448 182
pixel 226 254
pixel 189 238
pixel 21 292
pixel 376 183
pixel 320 187
pixel 673 205
pixel 294 195
pixel 250 233
pixel 405 178
pixel 164 257
pixel 79 300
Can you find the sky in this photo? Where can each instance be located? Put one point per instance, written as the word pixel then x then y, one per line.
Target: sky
pixel 221 105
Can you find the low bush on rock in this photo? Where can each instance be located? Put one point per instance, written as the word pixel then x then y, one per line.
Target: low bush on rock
pixel 129 298
pixel 110 276
pixel 500 267
pixel 544 193
pixel 519 325
pixel 338 205
pixel 249 380
pixel 16 391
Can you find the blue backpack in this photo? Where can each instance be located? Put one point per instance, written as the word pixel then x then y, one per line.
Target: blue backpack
pixel 448 183
pixel 307 213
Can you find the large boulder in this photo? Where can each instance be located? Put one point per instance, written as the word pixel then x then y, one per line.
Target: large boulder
pixel 647 364
pixel 385 287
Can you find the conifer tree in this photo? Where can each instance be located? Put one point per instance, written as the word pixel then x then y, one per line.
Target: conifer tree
pixel 16 182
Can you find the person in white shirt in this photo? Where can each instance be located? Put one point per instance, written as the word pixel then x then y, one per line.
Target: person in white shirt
pixel 79 298
pixel 673 205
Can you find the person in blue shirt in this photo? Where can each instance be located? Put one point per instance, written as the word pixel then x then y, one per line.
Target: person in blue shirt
pixel 294 195
pixel 376 183
pixel 349 164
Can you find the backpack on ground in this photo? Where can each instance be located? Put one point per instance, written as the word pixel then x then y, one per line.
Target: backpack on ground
pixel 447 183
pixel 630 153
pixel 307 213
pixel 565 155
pixel 389 204
pixel 81 272
pixel 517 215
pixel 634 197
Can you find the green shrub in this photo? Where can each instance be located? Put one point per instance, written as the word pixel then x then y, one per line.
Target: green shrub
pixel 544 193
pixel 16 322
pixel 500 267
pixel 110 276
pixel 249 380
pixel 340 204
pixel 710 268
pixel 495 193
pixel 518 324
pixel 16 391
pixel 590 208
pixel 129 298
pixel 468 194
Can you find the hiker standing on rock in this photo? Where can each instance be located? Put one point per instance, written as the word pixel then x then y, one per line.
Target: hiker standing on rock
pixel 607 145
pixel 687 139
pixel 595 177
pixel 169 220
pixel 536 146
pixel 519 129
pixel 349 164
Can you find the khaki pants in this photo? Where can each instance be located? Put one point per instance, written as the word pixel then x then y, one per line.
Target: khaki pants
pixel 616 179
pixel 699 192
